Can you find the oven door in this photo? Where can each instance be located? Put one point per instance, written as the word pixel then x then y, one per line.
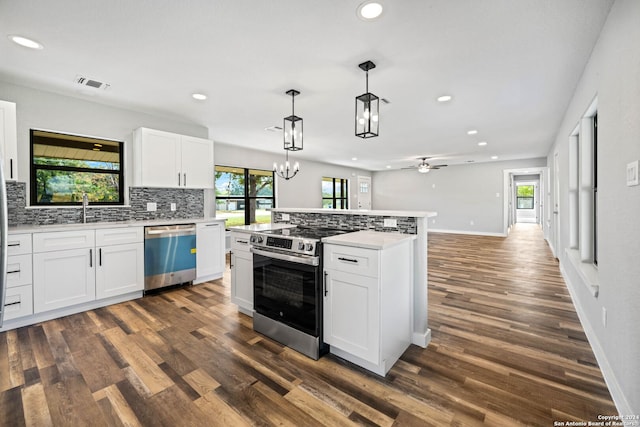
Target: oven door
pixel 288 291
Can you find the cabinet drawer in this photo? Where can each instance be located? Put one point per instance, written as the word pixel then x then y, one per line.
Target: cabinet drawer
pixel 18 302
pixel 19 270
pixel 240 242
pixel 119 236
pixel 62 240
pixel 351 260
pixel 18 244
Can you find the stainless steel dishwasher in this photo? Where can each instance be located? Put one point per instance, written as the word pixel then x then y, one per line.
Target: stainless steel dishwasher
pixel 169 255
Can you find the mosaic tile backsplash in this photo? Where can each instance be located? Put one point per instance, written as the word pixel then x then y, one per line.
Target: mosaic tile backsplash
pixel 406 225
pixel 189 204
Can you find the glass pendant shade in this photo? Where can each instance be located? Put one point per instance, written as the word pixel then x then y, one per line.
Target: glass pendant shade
pixel 292 127
pixel 367 108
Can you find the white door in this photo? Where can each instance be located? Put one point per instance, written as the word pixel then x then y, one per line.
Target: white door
pixel 210 251
pixel 364 192
pixel 160 159
pixel 63 278
pixel 197 162
pixel 8 139
pixel 120 270
pixel 352 314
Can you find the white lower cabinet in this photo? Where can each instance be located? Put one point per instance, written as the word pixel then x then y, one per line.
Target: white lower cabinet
pixel 18 300
pixel 210 241
pixel 351 313
pixel 367 303
pixel 63 278
pixel 120 270
pixel 74 267
pixel 241 273
pixel 120 261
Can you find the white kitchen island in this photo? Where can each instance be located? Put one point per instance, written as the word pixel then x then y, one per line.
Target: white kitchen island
pixel 406 222
pixel 368 290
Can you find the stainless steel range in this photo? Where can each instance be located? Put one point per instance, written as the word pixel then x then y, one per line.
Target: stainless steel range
pixel 287 287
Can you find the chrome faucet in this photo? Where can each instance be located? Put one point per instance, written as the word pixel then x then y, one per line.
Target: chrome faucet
pixel 85 203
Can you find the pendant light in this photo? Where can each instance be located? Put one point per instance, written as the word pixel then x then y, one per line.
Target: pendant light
pixel 292 140
pixel 367 107
pixel 293 126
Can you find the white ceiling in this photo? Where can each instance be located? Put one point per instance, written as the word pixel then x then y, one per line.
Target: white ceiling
pixel 511 66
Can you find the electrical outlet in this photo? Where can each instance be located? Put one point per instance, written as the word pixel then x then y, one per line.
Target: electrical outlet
pixel 285 217
pixel 391 223
pixel 433 221
pixel 152 206
pixel 471 222
pixel 173 207
pixel 604 317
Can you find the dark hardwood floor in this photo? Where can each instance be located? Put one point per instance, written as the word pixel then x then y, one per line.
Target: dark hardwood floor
pixel 507 349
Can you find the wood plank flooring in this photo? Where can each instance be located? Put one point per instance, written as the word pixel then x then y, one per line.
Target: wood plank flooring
pixel 507 349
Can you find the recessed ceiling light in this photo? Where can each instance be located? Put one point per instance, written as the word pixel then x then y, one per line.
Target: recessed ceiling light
pixel 472 132
pixel 482 143
pixel 273 129
pixel 199 96
pixel 494 157
pixel 23 41
pixel 369 10
pixel 445 98
pixel 388 166
pixel 354 158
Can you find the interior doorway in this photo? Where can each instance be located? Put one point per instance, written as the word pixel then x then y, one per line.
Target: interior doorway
pixel 526 207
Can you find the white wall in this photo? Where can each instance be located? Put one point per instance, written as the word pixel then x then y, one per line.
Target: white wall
pixel 47 110
pixel 302 191
pixel 613 75
pixel 460 194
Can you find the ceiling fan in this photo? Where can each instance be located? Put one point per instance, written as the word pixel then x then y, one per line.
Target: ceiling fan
pixel 424 167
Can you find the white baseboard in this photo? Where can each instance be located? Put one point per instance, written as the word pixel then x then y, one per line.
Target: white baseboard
pixel 474 233
pixel 619 399
pixel 421 339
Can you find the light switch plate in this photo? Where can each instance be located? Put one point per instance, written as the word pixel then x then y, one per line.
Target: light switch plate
pixel 152 206
pixel 285 217
pixel 173 207
pixel 632 174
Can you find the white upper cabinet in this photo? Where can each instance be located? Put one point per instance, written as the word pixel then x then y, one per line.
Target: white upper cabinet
pixel 9 140
pixel 170 160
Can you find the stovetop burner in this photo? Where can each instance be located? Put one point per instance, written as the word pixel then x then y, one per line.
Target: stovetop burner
pixel 310 233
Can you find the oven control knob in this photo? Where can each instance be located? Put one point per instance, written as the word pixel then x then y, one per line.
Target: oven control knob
pixel 259 239
pixel 301 246
pixel 308 246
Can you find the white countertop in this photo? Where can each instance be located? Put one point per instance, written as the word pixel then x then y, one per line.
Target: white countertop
pixel 415 214
pixel 369 239
pixel 259 227
pixel 108 224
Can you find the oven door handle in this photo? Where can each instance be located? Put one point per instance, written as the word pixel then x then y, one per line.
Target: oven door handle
pixel 284 257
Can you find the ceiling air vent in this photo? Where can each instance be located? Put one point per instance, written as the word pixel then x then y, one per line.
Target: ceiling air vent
pixel 273 129
pixel 84 81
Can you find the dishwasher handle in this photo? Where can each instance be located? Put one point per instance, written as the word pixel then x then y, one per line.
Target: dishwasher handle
pixel 172 229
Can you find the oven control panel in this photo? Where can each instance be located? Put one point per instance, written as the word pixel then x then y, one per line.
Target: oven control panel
pixel 289 244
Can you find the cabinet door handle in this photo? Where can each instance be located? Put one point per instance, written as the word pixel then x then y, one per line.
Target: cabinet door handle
pixel 13 272
pixel 244 242
pixel 348 260
pixel 212 225
pixel 13 244
pixel 179 184
pixel 185 179
pixel 230 259
pixel 90 257
pixel 100 257
pixel 325 283
pixel 11 168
